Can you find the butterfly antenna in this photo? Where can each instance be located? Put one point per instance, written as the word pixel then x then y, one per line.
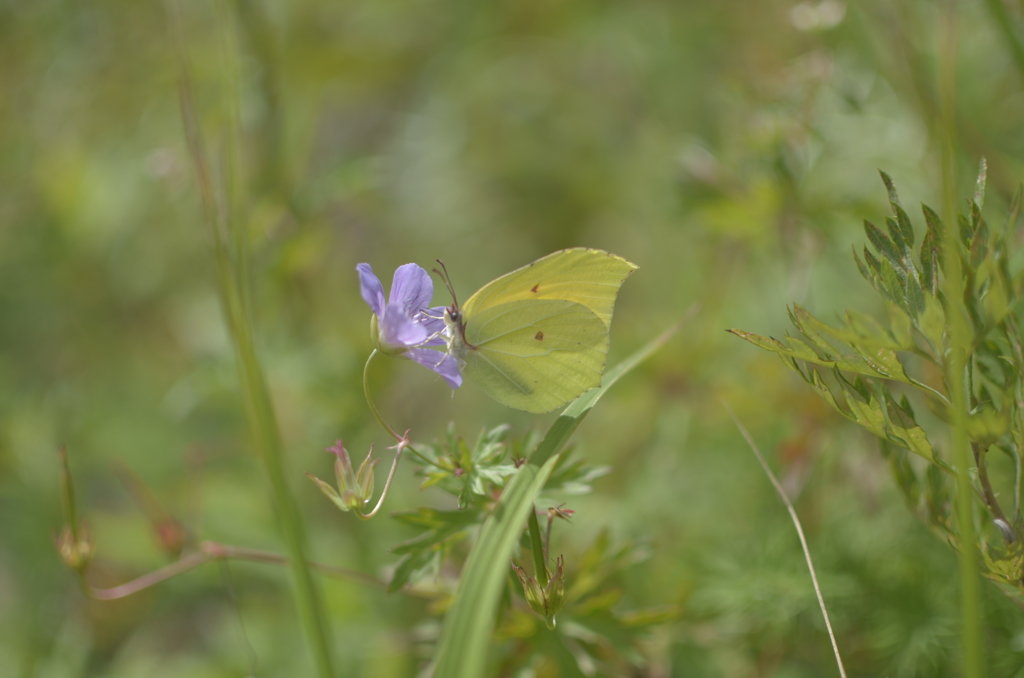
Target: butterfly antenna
pixel 443 275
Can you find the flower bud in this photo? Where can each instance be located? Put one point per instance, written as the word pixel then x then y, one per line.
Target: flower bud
pixel 75 550
pixel 355 488
pixel 554 593
pixel 545 601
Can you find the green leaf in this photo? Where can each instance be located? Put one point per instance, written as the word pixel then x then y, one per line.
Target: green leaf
pixel 890 188
pixel 906 229
pixel 423 553
pixel 899 323
pixel 876 412
pixel 932 323
pixel 467 627
pixel 883 244
pixel 966 231
pixel 979 190
pixel 930 264
pixel 903 427
pixel 573 476
pixel 413 567
pixel 892 283
pixel 871 333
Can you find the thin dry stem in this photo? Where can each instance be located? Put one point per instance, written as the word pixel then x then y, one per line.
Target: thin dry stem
pixel 211 551
pixel 799 530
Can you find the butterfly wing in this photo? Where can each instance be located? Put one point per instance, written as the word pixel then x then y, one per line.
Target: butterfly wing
pixel 535 354
pixel 584 276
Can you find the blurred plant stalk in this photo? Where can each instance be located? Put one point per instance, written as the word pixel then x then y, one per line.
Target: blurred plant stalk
pixel 959 348
pixel 224 216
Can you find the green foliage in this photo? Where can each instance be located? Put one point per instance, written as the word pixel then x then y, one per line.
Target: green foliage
pixel 856 366
pixel 718 145
pixel 465 635
pixel 593 635
pixel 475 476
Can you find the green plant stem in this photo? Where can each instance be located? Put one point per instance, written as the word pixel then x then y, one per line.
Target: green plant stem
pixel 960 340
pixel 369 401
pixel 540 555
pixel 223 218
pixel 403 441
pixel 986 485
pixel 67 493
pixel 263 424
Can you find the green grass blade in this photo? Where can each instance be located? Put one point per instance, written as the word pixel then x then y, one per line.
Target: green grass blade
pixel 466 634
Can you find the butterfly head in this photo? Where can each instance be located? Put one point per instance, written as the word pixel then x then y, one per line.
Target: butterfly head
pixel 453 319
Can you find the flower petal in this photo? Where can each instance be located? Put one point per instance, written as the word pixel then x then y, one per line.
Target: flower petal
pixel 399 330
pixel 442 363
pixel 371 289
pixel 412 289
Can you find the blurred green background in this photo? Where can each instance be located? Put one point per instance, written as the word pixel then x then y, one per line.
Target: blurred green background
pixel 729 149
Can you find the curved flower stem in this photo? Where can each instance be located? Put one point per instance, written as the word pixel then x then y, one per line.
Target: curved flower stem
pixel 986 485
pixel 403 440
pixel 369 400
pixel 387 483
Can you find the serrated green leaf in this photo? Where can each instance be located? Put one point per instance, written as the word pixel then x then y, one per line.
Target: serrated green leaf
pixel 862 267
pixel 871 333
pixel 573 476
pixel 979 244
pixel 903 426
pixel 825 392
pixel 934 223
pixel 902 471
pixel 883 245
pixel 932 324
pixel 899 324
pixel 430 539
pixel 905 405
pixel 800 350
pixel 890 188
pixel 905 228
pixel 966 231
pixel 979 185
pixel 930 264
pixel 861 357
pixel 413 567
pixel 892 284
pixel 874 263
pixel 867 412
pixel 915 297
pixel 873 361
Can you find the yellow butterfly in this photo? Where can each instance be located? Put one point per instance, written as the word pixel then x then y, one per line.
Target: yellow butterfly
pixel 536 338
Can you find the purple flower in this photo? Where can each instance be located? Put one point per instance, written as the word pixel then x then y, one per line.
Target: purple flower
pixel 404 326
